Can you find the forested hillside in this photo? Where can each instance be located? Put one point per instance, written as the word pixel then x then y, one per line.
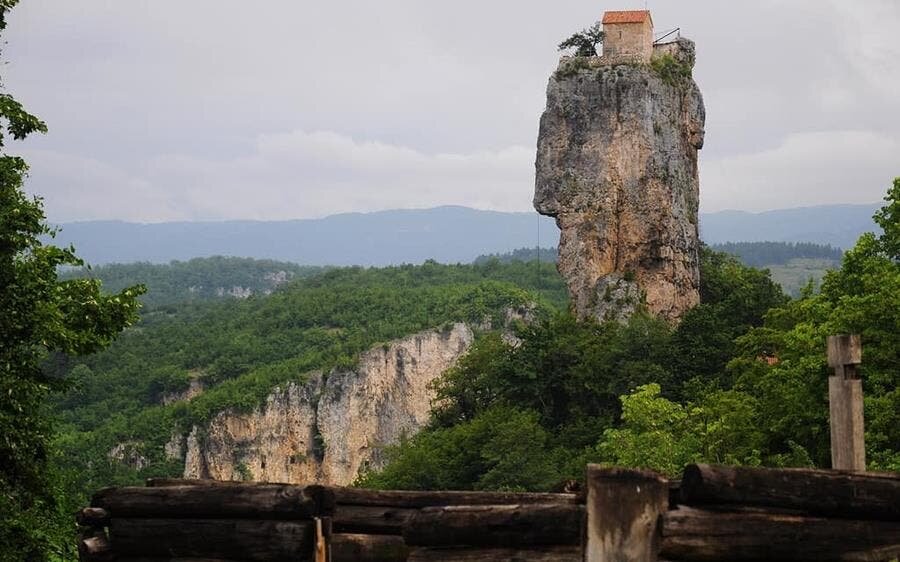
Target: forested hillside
pixel 742 380
pixel 197 279
pixel 792 264
pixel 764 254
pixel 239 350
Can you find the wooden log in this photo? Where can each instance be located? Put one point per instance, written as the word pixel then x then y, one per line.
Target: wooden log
pixel 845 412
pixel 623 512
pixel 399 498
pixel 237 539
pixel 845 403
pixel 496 525
pixel 92 517
pixel 543 554
pixel 349 547
pixel 850 495
pixel 371 519
pixel 171 559
pixel 94 547
pixel 700 535
pixel 270 501
pixel 417 499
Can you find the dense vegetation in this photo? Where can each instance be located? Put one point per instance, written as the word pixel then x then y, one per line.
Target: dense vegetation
pixel 765 254
pixel 41 318
pixel 198 279
pixel 548 254
pixel 239 350
pixel 741 380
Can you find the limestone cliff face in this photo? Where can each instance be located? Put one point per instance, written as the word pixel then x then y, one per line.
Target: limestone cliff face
pixel 617 167
pixel 328 428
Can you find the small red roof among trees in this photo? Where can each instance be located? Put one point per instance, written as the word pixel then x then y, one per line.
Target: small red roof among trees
pixel 627 16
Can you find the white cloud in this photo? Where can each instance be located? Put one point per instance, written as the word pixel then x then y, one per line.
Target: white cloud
pixel 292 175
pixel 209 109
pixel 806 169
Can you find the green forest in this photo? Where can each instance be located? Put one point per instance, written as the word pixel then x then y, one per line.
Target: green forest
pixel 90 358
pixel 740 380
pixel 198 279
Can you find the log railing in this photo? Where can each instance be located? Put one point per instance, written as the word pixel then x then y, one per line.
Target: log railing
pixel 717 513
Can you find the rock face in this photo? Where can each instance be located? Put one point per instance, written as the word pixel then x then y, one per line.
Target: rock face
pixel 326 429
pixel 617 167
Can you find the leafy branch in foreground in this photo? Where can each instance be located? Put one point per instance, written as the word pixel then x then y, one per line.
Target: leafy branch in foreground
pixel 40 317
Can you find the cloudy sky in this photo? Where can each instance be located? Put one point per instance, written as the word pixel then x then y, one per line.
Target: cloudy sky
pixel 216 109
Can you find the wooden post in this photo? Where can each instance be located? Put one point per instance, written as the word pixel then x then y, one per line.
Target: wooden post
pixel 624 513
pixel 845 403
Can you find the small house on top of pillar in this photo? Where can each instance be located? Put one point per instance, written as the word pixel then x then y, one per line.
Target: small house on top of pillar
pixel 628 33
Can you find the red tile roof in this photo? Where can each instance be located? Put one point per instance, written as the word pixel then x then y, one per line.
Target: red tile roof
pixel 627 16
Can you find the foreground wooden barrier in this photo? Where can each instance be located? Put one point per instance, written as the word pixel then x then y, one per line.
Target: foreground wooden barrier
pixel 830 493
pixel 716 513
pixel 256 522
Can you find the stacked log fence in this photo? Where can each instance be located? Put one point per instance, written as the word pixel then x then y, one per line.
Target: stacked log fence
pixel 713 513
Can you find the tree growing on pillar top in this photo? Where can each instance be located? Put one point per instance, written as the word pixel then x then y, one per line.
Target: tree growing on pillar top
pixel 584 42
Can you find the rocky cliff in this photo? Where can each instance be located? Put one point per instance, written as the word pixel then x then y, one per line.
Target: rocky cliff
pixel 617 167
pixel 329 427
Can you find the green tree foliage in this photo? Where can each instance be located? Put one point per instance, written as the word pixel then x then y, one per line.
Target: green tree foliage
pixel 568 377
pixel 664 435
pixel 862 297
pixel 195 280
pixel 239 350
pixel 585 41
pixel 501 448
pixel 39 316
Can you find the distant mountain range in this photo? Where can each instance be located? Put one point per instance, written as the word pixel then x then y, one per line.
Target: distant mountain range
pixel 445 234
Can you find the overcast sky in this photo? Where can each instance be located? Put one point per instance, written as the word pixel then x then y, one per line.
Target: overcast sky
pixel 216 109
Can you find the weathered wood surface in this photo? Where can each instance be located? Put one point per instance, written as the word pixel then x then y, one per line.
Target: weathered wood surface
pixel 850 495
pixel 544 554
pixel 845 411
pixel 270 501
pixel 94 547
pixel 238 539
pixel 347 547
pixel 700 535
pixel 171 559
pixel 845 403
pixel 371 519
pixel 844 350
pixel 623 513
pixel 92 517
pixel 496 525
pixel 417 499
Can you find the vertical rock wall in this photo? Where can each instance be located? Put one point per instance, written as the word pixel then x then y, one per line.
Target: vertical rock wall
pixel 617 167
pixel 326 429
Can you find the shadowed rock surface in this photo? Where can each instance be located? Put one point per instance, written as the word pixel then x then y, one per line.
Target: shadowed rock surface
pixel 617 167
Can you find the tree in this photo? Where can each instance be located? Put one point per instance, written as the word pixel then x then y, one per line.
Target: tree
pixel 40 316
pixel 584 42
